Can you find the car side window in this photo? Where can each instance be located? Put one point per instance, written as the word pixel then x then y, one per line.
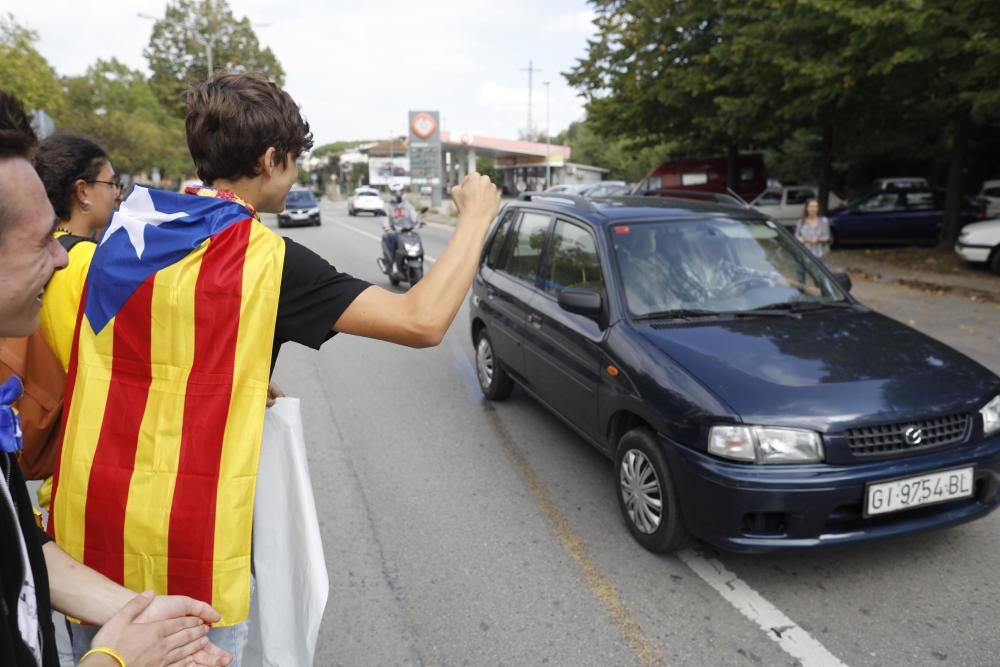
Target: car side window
pixel 883 201
pixel 919 201
pixel 527 246
pixel 497 241
pixel 768 198
pixel 800 196
pixel 574 260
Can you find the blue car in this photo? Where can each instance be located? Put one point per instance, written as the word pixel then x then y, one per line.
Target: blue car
pixel 897 217
pixel 744 396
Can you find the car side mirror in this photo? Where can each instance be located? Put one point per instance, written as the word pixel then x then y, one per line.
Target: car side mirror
pixel 585 302
pixel 424 210
pixel 844 280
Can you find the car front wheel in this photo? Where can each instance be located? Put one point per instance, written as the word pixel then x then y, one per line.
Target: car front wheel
pixel 995 260
pixel 493 379
pixel 646 493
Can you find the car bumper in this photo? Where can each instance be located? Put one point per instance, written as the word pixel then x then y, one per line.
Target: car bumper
pixel 298 218
pixel 973 253
pixel 755 508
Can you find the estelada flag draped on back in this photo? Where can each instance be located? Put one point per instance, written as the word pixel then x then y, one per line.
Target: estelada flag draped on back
pixel 165 397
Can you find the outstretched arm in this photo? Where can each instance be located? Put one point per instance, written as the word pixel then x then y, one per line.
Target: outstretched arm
pixel 421 316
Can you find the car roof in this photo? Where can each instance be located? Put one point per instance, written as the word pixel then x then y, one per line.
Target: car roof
pixel 612 209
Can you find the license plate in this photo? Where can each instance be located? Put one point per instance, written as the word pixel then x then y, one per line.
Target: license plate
pixel 910 492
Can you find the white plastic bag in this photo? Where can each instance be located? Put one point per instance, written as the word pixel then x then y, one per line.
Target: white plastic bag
pixel 290 569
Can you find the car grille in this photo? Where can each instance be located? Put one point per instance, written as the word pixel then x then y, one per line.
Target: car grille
pixel 892 438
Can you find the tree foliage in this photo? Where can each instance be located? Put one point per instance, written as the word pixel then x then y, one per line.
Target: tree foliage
pixel 178 49
pixel 24 72
pixel 847 85
pixel 116 106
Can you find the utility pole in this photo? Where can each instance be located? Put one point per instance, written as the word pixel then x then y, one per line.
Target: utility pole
pixel 548 167
pixel 531 70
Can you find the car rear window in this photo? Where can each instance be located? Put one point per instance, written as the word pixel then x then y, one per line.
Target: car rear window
pixel 992 192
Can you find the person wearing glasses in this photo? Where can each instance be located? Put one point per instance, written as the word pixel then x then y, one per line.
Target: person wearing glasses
pixel 84 191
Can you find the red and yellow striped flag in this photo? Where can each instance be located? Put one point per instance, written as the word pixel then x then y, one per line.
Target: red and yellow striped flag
pixel 165 408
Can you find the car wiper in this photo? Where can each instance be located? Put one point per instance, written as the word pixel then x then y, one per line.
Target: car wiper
pixel 679 314
pixel 803 306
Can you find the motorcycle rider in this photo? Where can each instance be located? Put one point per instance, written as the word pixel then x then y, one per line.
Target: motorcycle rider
pixel 399 210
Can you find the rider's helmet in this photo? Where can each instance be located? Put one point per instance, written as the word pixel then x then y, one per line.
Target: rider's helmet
pixel 396 190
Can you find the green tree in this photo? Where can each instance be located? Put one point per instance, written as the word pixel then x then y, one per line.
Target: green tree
pixel 116 106
pixel 23 70
pixel 194 32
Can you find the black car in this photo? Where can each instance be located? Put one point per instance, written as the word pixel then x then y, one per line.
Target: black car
pixel 301 208
pixel 745 397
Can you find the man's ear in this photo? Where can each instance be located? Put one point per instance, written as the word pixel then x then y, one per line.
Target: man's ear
pixel 266 164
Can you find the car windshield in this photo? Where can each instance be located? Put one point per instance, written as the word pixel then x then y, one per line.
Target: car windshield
pixel 366 193
pixel 716 265
pixel 300 199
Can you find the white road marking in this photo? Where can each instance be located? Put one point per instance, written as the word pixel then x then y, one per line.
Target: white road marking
pixel 373 236
pixel 795 641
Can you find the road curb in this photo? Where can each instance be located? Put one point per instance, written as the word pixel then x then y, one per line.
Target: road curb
pixel 973 293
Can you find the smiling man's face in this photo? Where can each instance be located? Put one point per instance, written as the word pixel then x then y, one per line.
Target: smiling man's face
pixel 29 255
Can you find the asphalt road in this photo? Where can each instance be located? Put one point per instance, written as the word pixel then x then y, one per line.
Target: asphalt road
pixel 459 532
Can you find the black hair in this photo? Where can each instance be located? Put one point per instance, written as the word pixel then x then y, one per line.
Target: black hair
pixel 63 159
pixel 17 139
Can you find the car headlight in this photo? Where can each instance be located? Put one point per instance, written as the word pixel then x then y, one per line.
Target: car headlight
pixel 991 416
pixel 762 444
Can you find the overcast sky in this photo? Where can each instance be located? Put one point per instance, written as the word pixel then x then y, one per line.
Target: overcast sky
pixel 357 67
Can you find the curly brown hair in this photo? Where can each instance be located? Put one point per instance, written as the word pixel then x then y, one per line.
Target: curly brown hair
pixel 233 119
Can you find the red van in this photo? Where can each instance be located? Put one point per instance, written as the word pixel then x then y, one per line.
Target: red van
pixel 706 175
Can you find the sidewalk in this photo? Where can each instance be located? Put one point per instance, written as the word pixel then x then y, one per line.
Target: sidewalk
pixel 921 268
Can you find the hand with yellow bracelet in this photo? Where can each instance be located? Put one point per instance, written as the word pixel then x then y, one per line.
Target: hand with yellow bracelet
pixel 126 640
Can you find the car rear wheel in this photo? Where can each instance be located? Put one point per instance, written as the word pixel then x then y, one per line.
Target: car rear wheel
pixel 995 260
pixel 493 379
pixel 646 493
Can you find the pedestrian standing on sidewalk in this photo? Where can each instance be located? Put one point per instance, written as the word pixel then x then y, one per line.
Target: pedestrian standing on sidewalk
pixel 189 299
pixel 813 230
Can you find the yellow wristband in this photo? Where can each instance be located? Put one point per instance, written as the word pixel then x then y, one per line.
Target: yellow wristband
pixel 106 650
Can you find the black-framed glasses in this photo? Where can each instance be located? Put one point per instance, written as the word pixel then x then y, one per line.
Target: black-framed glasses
pixel 117 185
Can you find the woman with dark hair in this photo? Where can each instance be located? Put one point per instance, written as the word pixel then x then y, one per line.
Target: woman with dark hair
pixel 84 191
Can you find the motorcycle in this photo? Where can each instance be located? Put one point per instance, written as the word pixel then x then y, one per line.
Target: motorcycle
pixel 408 263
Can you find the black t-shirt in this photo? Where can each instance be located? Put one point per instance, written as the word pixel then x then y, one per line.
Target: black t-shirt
pixel 313 296
pixel 13 652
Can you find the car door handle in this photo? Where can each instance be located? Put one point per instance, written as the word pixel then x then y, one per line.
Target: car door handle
pixel 535 320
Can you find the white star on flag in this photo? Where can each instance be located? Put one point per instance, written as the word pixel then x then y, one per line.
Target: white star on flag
pixel 134 215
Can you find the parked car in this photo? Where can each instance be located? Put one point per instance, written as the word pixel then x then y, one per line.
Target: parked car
pixel 568 188
pixel 707 175
pixel 744 396
pixel 900 217
pixel 606 189
pixel 900 183
pixel 980 242
pixel 301 208
pixel 365 200
pixel 786 204
pixel 991 193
